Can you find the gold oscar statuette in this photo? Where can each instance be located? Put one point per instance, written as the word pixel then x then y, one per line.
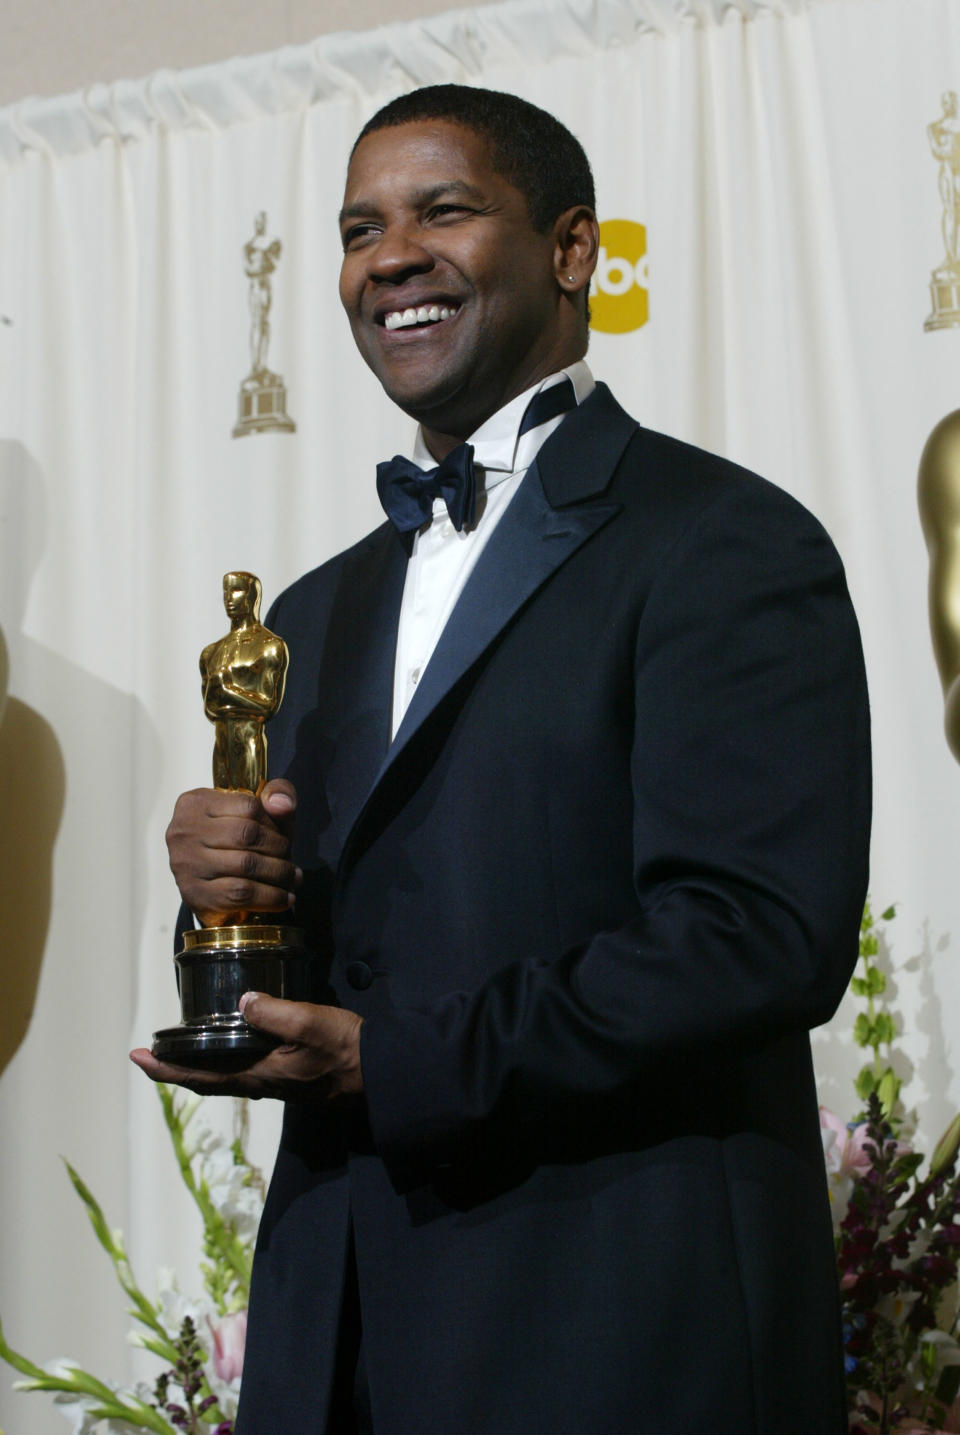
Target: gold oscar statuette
pixel 243 676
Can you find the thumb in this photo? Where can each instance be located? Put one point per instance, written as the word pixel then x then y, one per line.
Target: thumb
pixel 278 798
pixel 288 1020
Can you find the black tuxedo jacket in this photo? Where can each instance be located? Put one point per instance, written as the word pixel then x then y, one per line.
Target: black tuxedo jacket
pixel 589 901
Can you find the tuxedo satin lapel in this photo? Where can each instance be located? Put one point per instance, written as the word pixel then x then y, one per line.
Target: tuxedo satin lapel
pixel 546 523
pixel 539 531
pixel 578 460
pixel 356 677
pixel 530 542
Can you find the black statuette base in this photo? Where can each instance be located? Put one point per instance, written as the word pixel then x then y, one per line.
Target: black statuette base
pixel 213 1046
pixel 214 969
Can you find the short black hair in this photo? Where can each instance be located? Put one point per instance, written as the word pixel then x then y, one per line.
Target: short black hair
pixel 529 147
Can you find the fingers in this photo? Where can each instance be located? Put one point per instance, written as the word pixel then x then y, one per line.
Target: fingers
pixel 319 1058
pixel 229 851
pixel 319 1042
pixel 202 1083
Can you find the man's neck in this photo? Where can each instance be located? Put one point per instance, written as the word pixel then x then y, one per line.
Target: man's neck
pixel 439 444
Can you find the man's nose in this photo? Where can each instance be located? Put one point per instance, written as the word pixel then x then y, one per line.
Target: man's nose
pixel 400 251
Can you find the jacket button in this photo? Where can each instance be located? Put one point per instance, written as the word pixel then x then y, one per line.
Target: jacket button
pixel 359 975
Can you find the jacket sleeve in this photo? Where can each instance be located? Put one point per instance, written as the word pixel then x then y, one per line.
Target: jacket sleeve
pixel 751 800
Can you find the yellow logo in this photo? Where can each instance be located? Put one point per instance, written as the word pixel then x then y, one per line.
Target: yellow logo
pixel 619 300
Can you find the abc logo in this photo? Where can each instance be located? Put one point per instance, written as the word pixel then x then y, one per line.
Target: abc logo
pixel 619 300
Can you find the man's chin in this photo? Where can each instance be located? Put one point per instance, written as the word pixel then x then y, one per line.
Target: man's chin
pixel 442 404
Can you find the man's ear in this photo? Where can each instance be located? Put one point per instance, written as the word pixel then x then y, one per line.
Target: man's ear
pixel 576 243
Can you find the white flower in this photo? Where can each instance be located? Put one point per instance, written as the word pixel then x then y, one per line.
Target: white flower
pixel 199 1138
pixel 227 1393
pixel 948 1350
pixel 75 1405
pixel 174 1306
pixel 238 1202
pixel 76 1408
pixel 896 1306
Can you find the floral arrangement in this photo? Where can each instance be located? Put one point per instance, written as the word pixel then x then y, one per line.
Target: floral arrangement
pixel 897 1236
pixel 200 1342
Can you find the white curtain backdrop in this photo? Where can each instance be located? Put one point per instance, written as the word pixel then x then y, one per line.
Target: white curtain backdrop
pixel 776 156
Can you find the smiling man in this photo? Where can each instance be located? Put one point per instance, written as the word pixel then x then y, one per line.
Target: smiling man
pixel 429 224
pixel 575 808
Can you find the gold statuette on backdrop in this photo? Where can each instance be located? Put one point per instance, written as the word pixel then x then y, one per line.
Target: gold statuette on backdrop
pixel 243 676
pixel 944 137
pixel 263 395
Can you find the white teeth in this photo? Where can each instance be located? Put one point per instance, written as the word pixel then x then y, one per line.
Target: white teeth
pixel 425 314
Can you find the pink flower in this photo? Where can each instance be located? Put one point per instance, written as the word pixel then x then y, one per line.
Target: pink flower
pixel 848 1156
pixel 229 1338
pixel 850 1153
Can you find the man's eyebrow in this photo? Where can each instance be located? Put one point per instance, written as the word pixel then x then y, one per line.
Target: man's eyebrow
pixel 454 188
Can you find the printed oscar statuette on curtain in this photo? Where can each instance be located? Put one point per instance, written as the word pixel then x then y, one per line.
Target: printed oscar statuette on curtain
pixel 263 396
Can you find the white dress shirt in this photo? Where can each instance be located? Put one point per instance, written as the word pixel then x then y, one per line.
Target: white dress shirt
pixel 441 559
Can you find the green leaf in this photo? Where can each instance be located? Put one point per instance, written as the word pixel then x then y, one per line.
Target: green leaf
pixel 18 1361
pixel 945 1151
pixel 889 914
pixel 865 1083
pixel 928 1359
pixel 876 981
pixel 888 1089
pixel 859 986
pixel 112 1242
pixel 884 1029
pixel 219 1238
pixel 113 1406
pixel 160 1348
pixel 863 1030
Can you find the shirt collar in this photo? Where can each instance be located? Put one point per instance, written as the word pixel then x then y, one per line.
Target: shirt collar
pixel 497 444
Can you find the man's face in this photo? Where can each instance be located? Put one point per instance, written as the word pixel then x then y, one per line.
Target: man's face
pixel 428 225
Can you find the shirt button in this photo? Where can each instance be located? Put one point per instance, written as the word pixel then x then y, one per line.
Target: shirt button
pixel 359 975
pixel 415 676
pixel 446 529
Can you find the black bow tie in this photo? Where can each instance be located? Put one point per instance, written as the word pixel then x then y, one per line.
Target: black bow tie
pixel 407 491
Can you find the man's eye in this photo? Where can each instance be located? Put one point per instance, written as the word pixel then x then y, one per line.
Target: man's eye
pixel 447 211
pixel 357 234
